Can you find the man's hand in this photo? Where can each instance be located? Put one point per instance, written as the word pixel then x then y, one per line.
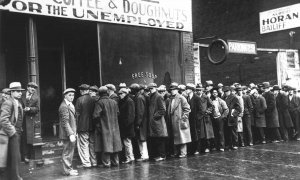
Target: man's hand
pixel 72 138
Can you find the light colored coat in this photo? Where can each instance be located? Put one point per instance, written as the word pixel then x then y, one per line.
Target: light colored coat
pixel 67 121
pixel 178 112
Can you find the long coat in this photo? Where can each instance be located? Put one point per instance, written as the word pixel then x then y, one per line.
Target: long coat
pixel 234 109
pixel 294 109
pixel 8 116
pixel 141 119
pixel 204 126
pixel 30 116
pixel 157 111
pixel 115 97
pixel 260 107
pixel 178 112
pixel 194 116
pixel 107 133
pixel 126 117
pixel 285 119
pixel 84 112
pixel 67 121
pixel 271 111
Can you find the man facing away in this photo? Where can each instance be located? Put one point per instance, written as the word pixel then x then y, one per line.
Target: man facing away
pixel 84 111
pixel 67 131
pixel 11 120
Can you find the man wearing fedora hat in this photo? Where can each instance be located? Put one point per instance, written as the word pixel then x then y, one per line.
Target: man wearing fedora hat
pixel 11 119
pixel 30 102
pixel 294 109
pixel 67 131
pixel 84 110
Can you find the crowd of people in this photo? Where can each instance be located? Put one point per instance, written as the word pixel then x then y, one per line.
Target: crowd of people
pixel 140 123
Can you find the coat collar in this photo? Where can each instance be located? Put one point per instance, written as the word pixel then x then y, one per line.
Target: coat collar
pixel 176 103
pixel 68 106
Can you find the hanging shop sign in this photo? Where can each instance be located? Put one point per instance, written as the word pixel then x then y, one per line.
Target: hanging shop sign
pixel 280 19
pixel 241 47
pixel 164 14
pixel 143 75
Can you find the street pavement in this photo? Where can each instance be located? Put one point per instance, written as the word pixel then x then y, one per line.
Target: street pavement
pixel 268 161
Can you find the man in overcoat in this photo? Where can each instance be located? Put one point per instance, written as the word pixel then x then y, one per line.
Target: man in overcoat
pixel 285 120
pixel 248 108
pixel 107 133
pixel 111 92
pixel 271 114
pixel 178 112
pixel 294 109
pixel 157 124
pixel 67 131
pixel 140 121
pixel 194 118
pixel 11 120
pixel 126 123
pixel 30 102
pixel 84 110
pixel 231 123
pixel 259 108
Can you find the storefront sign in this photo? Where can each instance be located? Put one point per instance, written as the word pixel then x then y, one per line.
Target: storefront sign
pixel 196 57
pixel 280 19
pixel 143 75
pixel 165 14
pixel 241 47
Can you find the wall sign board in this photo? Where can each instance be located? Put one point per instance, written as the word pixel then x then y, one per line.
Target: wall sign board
pixel 241 47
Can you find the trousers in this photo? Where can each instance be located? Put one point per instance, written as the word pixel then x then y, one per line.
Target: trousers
pixel 67 156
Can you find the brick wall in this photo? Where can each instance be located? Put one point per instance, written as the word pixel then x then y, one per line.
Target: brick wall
pixel 239 20
pixel 187 41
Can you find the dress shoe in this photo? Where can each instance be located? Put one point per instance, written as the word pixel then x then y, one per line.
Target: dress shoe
pixel 196 153
pixel 159 159
pixel 182 156
pixel 250 144
pixel 234 147
pixel 222 150
pixel 206 150
pixel 127 161
pixel 263 142
pixel 73 173
pixel 142 159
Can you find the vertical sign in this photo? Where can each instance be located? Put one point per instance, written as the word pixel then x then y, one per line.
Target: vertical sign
pixel 196 57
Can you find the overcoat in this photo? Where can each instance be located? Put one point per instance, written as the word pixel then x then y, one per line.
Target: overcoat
pixel 282 104
pixel 84 112
pixel 178 112
pixel 294 109
pixel 204 126
pixel 115 97
pixel 30 116
pixel 67 121
pixel 271 111
pixel 157 111
pixel 141 119
pixel 260 107
pixel 126 117
pixel 107 133
pixel 234 109
pixel 194 116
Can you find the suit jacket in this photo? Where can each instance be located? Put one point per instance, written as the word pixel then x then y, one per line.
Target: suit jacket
pixel 84 111
pixel 9 116
pixel 31 116
pixel 67 121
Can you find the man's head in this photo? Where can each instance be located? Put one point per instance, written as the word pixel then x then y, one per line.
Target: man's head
pixel 103 90
pixel 266 86
pixel 16 89
pixel 5 93
pixel 226 90
pixel 291 90
pixel 276 89
pixel 152 87
pixel 199 89
pixel 31 87
pixel 254 92
pixel 239 91
pixel 174 88
pixel 111 89
pixel 162 90
pixel 69 94
pixel 84 89
pixel 135 88
pixel 214 92
pixel 220 88
pixel 123 93
pixel 190 88
pixel 93 90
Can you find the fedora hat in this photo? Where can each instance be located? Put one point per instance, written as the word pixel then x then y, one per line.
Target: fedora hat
pixel 276 87
pixel 152 85
pixel 266 84
pixel 199 86
pixel 15 86
pixel 191 86
pixel 174 85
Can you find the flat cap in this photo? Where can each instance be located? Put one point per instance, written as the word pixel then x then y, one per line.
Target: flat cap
pixel 122 85
pixel 226 88
pixel 161 88
pixel 6 91
pixel 191 86
pixel 32 84
pixel 68 90
pixel 103 89
pixel 232 88
pixel 266 84
pixel 123 90
pixel 94 88
pixel 220 85
pixel 84 87
pixel 135 86
pixel 181 87
pixel 209 83
pixel 252 85
pixel 152 85
pixel 111 87
pixel 174 85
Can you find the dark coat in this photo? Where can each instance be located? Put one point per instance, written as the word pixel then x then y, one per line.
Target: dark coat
pixel 204 126
pixel 107 133
pixel 195 116
pixel 8 116
pixel 234 109
pixel 67 121
pixel 248 106
pixel 141 119
pixel 271 111
pixel 157 111
pixel 84 112
pixel 115 97
pixel 260 107
pixel 294 108
pixel 282 104
pixel 31 116
pixel 178 112
pixel 126 117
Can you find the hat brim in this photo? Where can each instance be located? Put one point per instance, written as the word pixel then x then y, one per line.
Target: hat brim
pixel 16 89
